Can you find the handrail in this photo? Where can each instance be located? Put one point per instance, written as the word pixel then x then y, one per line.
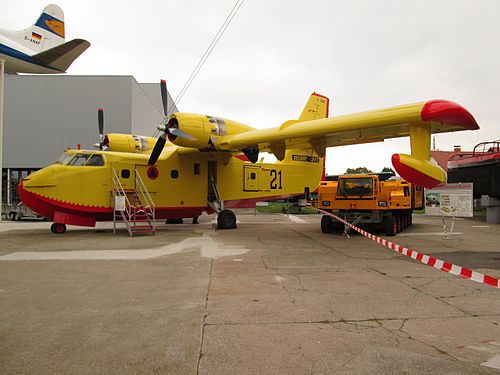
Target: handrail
pixel 120 191
pixel 140 209
pixel 143 191
pixel 486 148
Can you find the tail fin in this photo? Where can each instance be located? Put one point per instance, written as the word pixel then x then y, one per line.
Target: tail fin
pixel 311 158
pixel 47 32
pixel 316 108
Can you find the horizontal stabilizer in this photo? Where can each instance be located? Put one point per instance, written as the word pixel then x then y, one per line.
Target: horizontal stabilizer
pixel 62 56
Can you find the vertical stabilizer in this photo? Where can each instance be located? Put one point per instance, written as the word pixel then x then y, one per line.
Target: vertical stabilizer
pixel 316 108
pixel 46 33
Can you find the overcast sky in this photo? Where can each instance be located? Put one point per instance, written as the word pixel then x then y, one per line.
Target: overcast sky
pixel 362 54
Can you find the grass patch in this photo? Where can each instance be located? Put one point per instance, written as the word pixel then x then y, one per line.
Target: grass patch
pixel 281 208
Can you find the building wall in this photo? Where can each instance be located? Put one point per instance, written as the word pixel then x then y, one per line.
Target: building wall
pixel 146 114
pixel 43 115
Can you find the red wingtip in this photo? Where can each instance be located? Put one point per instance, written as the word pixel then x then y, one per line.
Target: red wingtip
pixel 446 111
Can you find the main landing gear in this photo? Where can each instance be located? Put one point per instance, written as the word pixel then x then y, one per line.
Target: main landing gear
pixel 58 228
pixel 226 219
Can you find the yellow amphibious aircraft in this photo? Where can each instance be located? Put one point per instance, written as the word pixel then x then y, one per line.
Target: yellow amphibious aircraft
pixel 210 164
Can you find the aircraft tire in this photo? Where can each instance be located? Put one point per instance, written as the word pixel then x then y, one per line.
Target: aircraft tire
pixel 390 226
pixel 326 224
pixel 58 228
pixel 226 220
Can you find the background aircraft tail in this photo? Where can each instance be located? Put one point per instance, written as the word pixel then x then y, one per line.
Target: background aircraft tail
pixel 62 56
pixel 46 33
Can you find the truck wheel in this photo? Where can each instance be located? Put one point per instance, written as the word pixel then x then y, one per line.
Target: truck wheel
pixel 326 224
pixel 226 220
pixel 390 226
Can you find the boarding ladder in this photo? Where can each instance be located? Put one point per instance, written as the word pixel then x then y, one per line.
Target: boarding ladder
pixel 134 207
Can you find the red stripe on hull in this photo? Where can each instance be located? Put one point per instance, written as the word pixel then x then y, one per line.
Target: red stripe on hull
pixel 75 214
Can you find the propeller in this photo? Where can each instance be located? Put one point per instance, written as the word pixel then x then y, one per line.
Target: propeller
pixel 100 122
pixel 170 128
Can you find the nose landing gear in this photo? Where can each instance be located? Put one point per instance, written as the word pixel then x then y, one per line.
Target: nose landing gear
pixel 58 228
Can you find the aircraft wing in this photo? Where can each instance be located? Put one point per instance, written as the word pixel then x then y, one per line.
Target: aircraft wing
pixel 371 126
pixel 62 56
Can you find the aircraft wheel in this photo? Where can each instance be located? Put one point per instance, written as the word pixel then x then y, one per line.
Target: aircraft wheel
pixel 390 226
pixel 58 228
pixel 226 220
pixel 326 224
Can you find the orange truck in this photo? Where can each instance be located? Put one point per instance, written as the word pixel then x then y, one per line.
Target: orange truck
pixel 369 201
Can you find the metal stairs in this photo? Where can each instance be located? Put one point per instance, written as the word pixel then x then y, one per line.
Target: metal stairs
pixel 134 207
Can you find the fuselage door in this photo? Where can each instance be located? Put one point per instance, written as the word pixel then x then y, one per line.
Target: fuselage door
pixel 126 175
pixel 251 178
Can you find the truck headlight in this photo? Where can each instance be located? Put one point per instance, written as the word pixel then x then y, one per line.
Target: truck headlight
pixel 382 203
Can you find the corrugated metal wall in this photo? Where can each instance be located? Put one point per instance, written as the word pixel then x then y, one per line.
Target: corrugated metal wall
pixel 43 115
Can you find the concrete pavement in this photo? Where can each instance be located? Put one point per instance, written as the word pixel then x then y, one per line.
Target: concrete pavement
pixel 274 296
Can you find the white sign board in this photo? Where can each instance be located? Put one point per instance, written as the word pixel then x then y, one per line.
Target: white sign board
pixel 449 200
pixel 120 203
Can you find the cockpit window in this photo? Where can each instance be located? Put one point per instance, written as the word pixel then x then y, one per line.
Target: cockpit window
pixel 79 160
pixel 65 158
pixel 95 161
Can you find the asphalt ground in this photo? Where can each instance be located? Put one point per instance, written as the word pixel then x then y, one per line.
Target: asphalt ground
pixel 274 296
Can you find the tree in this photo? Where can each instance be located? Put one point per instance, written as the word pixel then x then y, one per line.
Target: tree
pixel 388 169
pixel 359 170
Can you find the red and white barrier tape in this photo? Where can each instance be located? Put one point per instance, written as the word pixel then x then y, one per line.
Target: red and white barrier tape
pixel 430 261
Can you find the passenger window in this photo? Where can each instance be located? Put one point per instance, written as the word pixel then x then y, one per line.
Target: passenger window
pixel 95 161
pixel 79 160
pixel 196 168
pixel 125 173
pixel 252 176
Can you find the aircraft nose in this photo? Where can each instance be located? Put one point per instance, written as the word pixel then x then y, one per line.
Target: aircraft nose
pixel 34 201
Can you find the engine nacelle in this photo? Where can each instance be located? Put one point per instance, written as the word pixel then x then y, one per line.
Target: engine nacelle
pixel 202 129
pixel 128 143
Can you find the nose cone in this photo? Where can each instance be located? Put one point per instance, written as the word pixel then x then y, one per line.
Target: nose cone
pixel 36 202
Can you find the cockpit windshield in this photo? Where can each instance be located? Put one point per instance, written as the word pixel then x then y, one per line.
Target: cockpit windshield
pixel 65 158
pixel 81 159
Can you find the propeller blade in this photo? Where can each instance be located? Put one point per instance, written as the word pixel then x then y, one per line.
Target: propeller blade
pixel 164 96
pixel 155 154
pixel 100 119
pixel 179 133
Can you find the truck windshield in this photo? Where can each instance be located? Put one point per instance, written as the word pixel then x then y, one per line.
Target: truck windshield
pixel 359 187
